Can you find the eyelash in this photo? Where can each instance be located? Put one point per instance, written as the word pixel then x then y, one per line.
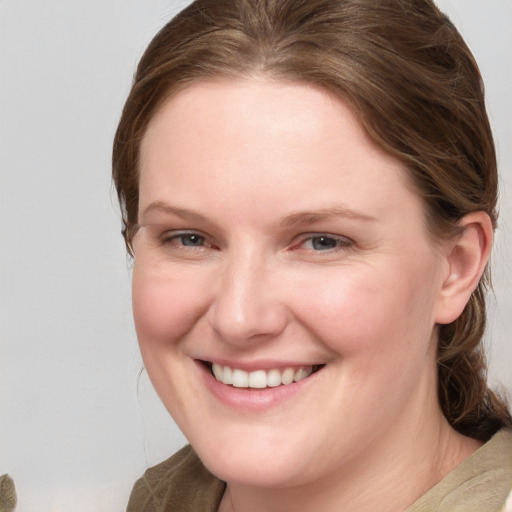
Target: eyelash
pixel 171 239
pixel 336 242
pixel 339 242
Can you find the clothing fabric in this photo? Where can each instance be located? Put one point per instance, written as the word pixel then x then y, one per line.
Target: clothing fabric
pixel 481 483
pixel 179 484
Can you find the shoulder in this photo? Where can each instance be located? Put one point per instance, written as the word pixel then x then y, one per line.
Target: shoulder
pixel 503 452
pixel 179 484
pixel 482 482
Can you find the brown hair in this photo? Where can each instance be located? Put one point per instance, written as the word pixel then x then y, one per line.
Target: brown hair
pixel 415 86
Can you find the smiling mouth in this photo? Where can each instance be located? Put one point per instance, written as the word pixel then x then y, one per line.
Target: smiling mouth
pixel 260 379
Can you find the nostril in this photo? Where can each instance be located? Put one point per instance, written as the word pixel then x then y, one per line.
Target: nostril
pixel 245 306
pixel 237 323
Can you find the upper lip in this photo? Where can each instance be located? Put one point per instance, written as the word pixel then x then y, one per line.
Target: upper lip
pixel 263 364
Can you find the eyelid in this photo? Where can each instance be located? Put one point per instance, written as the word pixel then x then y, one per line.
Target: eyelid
pixel 173 234
pixel 343 241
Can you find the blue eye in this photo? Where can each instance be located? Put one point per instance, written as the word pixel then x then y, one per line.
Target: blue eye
pixel 184 240
pixel 190 240
pixel 326 243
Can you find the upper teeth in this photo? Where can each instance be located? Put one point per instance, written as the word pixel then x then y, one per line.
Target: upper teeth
pixel 259 378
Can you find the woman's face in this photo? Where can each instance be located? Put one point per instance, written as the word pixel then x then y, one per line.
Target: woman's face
pixel 277 242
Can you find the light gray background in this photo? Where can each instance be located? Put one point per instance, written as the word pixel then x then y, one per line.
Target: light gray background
pixel 77 426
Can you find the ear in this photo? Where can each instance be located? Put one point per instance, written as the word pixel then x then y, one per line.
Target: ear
pixel 466 258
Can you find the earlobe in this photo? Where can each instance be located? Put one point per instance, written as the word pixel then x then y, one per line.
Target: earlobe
pixel 466 258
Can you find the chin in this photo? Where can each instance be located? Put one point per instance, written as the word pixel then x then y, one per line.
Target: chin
pixel 241 471
pixel 256 464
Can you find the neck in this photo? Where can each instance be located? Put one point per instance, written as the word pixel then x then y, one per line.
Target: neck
pixel 389 476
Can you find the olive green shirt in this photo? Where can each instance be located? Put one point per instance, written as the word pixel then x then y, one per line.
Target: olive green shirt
pixel 480 484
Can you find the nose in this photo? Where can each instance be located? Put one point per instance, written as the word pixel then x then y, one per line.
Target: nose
pixel 246 307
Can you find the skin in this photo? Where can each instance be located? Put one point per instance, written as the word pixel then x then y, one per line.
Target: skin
pixel 257 172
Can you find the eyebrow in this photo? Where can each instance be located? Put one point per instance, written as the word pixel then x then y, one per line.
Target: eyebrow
pixel 307 217
pixel 324 214
pixel 184 213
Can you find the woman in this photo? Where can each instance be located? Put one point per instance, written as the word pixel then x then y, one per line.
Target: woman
pixel 308 189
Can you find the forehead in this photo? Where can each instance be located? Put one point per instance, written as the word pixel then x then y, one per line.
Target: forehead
pixel 252 138
pixel 249 107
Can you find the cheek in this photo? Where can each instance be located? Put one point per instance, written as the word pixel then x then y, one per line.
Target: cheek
pixel 164 308
pixel 374 310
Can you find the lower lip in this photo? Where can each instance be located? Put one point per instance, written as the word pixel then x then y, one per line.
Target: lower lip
pixel 251 399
